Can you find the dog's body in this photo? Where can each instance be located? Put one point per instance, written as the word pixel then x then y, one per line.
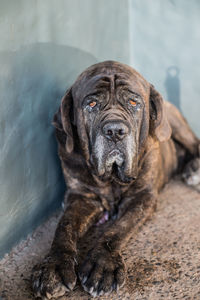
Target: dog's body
pixel 119 143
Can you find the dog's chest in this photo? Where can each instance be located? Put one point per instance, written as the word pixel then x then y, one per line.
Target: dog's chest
pixel 111 197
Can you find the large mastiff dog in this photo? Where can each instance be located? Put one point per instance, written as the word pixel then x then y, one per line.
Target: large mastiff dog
pixel 119 143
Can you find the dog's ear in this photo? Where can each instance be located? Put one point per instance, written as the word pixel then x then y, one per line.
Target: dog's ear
pixel 63 119
pixel 159 125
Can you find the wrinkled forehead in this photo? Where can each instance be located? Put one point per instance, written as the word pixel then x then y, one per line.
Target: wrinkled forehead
pixel 109 77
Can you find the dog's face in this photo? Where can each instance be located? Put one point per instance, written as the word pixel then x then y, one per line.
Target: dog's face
pixel 112 108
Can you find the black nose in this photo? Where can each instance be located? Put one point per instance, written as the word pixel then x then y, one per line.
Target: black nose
pixel 115 130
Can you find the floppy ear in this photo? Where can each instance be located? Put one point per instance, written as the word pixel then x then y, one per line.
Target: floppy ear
pixel 159 125
pixel 62 119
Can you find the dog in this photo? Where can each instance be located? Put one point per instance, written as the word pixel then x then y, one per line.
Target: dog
pixel 119 142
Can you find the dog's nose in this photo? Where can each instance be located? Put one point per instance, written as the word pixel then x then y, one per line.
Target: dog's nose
pixel 115 130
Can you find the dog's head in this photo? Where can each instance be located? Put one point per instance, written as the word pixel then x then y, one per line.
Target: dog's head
pixel 112 109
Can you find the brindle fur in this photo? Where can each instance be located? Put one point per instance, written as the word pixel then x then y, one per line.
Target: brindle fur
pixel 165 145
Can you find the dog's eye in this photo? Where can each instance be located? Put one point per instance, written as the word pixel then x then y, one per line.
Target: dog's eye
pixel 132 102
pixel 92 104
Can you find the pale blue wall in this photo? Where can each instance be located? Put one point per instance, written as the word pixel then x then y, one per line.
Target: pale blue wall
pixel 164 34
pixel 44 45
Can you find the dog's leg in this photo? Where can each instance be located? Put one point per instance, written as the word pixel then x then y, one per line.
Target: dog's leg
pixel 181 131
pixel 103 269
pixel 183 134
pixel 56 274
pixel 191 173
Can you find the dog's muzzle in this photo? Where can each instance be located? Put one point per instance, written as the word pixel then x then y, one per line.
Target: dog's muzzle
pixel 113 151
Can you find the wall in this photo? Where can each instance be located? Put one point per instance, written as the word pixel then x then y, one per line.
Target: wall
pixel 165 47
pixel 44 45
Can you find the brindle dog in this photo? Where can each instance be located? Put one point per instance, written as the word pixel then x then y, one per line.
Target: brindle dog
pixel 119 143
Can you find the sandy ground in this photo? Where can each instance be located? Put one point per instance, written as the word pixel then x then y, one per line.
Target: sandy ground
pixel 162 261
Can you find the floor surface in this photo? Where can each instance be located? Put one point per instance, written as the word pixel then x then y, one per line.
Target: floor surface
pixel 162 261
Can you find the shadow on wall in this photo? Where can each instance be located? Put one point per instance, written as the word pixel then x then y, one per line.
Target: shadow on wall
pixel 32 82
pixel 172 85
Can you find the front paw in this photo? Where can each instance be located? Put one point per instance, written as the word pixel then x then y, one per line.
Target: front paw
pixel 53 277
pixel 102 272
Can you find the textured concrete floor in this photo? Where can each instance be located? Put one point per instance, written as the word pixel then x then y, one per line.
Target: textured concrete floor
pixel 163 260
